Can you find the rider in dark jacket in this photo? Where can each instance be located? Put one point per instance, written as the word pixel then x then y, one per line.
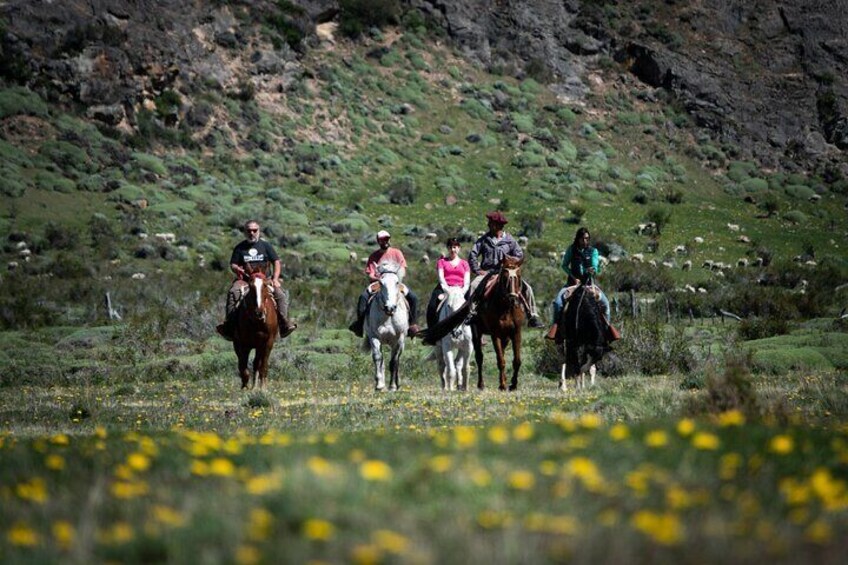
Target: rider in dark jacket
pixel 486 256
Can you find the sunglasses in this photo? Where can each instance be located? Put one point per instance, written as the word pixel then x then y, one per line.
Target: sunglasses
pixel 252 230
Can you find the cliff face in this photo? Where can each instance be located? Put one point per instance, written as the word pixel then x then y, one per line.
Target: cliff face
pixel 767 77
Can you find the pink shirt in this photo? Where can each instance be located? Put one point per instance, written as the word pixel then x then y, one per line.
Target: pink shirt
pixel 391 254
pixel 454 275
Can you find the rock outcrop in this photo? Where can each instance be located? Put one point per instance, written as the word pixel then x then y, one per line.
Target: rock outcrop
pixel 768 78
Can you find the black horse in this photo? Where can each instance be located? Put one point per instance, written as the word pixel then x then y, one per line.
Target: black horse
pixel 581 326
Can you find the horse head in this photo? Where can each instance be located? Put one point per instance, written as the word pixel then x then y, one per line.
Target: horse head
pixel 259 290
pixel 389 284
pixel 509 277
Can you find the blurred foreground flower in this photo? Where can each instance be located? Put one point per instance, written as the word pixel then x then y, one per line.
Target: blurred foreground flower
pixel 374 470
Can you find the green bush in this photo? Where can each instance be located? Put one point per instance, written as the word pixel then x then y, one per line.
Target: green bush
pixel 796 217
pixel 759 328
pixel 19 100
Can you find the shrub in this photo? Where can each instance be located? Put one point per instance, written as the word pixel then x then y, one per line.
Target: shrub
pixel 357 16
pixel 402 190
pixel 795 217
pixel 732 389
pixel 759 328
pixel 660 216
pixel 651 348
pixel 20 100
pixel 625 276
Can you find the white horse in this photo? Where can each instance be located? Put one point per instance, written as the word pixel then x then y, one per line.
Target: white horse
pixel 387 323
pixel 455 348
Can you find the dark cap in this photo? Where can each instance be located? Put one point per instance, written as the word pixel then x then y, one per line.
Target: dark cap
pixel 497 217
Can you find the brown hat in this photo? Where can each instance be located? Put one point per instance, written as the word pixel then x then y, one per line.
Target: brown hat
pixel 497 217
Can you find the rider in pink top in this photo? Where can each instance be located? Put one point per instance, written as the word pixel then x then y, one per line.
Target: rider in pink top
pixel 453 272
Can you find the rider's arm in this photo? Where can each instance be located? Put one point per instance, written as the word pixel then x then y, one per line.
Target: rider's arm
pixel 472 257
pixel 441 272
pixel 278 268
pixel 514 250
pixel 596 261
pixel 566 262
pixel 238 271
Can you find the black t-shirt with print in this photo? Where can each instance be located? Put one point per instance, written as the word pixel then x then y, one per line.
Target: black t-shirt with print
pixel 252 253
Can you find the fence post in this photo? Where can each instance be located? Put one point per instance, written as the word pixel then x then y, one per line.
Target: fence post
pixel 633 304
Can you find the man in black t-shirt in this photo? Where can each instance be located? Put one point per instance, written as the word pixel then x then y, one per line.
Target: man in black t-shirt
pixel 250 254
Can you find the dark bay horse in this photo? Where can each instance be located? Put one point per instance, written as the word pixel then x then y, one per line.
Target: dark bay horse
pixel 256 329
pixel 582 328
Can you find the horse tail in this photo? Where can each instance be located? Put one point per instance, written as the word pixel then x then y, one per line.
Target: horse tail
pixel 431 336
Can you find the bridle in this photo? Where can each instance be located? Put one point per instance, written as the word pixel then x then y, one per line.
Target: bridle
pixel 511 279
pixel 258 284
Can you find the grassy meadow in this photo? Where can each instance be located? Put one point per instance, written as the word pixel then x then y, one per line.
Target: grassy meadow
pixel 128 440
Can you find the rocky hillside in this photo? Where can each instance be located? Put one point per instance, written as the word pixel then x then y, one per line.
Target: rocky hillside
pixel 767 78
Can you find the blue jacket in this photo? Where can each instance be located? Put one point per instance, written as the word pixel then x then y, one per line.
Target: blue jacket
pixel 578 266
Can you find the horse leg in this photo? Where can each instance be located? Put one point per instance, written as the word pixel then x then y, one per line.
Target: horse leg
pixel 516 359
pixel 394 366
pixel 498 343
pixel 442 366
pixel 562 382
pixel 242 353
pixel 571 362
pixel 592 372
pixel 377 356
pixel 478 354
pixel 450 368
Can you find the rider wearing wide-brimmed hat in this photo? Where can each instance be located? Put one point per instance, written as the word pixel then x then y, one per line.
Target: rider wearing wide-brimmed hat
pixel 385 254
pixel 254 251
pixel 486 256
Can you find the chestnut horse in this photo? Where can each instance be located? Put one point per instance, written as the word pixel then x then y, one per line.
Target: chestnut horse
pixel 500 314
pixel 256 328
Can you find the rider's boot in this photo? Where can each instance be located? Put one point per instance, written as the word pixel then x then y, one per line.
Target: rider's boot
pixel 357 326
pixel 534 322
pixel 552 332
pixel 227 328
pixel 612 333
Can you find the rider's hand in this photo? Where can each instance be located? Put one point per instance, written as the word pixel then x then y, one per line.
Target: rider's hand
pixel 276 283
pixel 483 273
pixel 591 270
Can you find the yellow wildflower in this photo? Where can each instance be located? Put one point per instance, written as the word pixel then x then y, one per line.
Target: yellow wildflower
pixel 259 528
pixel 781 444
pixel 120 532
pixel 619 432
pixel 247 555
pixel 34 490
pixel 22 535
pixel 706 441
pixel 818 532
pixel 222 467
pixel 127 490
pixel 138 462
pixel 498 435
pixel 523 431
pixel 100 432
pixel 664 528
pixel 685 427
pixel 375 470
pixel 465 436
pixel 168 516
pixel 585 469
pixel 63 533
pixel 356 456
pixel 440 463
pixel 318 530
pixel 366 554
pixel 199 467
pixel 656 438
pixel 54 462
pixel 521 480
pixel 591 421
pixel 390 542
pixel 264 484
pixel 480 477
pixel 731 418
pixel 678 498
pixel 491 519
pixel 60 439
pixel 831 492
pixel 548 468
pixel 729 465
